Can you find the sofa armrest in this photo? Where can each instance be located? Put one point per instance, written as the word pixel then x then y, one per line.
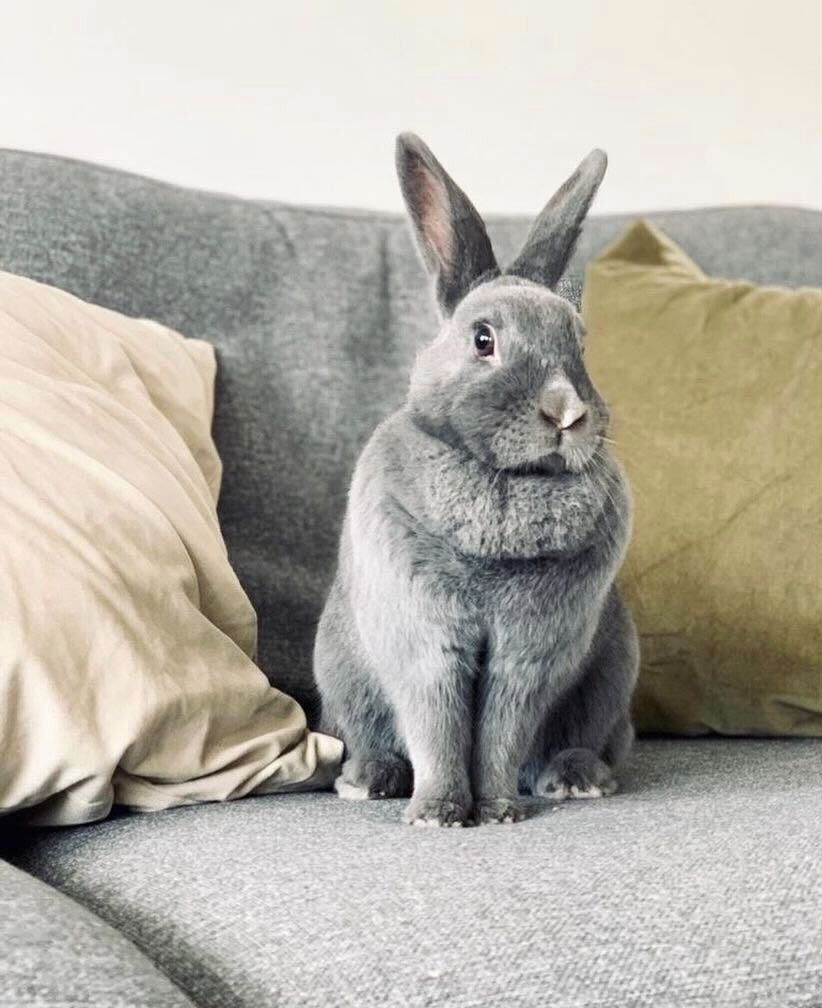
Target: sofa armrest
pixel 57 953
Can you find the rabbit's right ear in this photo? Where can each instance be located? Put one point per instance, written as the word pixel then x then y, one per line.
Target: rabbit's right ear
pixel 450 233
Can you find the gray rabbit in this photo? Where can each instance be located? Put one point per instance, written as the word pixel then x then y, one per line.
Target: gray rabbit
pixel 473 643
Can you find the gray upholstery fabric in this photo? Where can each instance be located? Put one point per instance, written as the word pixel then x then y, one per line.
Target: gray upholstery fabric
pixel 316 316
pixel 699 885
pixel 56 954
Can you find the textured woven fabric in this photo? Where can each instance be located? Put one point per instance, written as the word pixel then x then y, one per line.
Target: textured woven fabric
pixel 55 954
pixel 316 316
pixel 699 885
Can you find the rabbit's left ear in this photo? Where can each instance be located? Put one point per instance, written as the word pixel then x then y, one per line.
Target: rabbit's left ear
pixel 450 233
pixel 551 241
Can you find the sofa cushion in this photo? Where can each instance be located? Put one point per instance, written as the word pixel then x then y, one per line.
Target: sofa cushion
pixel 715 389
pixel 316 317
pixel 700 884
pixel 126 666
pixel 56 954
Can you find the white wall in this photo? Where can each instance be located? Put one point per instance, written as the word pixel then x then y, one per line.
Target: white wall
pixel 704 102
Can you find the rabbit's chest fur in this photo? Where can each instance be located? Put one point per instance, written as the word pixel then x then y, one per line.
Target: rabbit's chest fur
pixel 495 524
pixel 432 532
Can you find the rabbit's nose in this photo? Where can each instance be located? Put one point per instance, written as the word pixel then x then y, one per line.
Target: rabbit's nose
pixel 560 405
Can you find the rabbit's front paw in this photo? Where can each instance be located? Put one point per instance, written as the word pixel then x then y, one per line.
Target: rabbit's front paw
pixel 452 810
pixel 575 773
pixel 498 810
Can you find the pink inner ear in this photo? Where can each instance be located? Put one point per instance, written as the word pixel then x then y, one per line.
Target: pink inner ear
pixel 433 206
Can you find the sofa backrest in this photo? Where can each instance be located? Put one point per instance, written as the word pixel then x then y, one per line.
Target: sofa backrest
pixel 316 316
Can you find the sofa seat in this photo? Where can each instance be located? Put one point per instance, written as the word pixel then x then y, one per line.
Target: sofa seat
pixel 699 884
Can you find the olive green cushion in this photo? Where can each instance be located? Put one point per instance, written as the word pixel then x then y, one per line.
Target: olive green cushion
pixel 715 388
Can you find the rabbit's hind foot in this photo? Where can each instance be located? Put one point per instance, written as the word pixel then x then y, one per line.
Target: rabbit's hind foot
pixel 575 773
pixel 375 775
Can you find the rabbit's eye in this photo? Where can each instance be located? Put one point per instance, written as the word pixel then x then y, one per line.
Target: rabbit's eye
pixel 484 340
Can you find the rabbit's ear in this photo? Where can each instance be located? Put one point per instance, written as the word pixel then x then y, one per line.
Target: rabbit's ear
pixel 551 241
pixel 450 233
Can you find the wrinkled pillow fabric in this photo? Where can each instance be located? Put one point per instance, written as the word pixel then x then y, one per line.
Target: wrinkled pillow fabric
pixel 126 642
pixel 716 393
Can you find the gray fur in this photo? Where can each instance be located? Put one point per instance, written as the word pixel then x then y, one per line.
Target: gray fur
pixel 550 244
pixel 473 631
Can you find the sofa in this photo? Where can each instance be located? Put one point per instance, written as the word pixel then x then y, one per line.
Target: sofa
pixel 698 884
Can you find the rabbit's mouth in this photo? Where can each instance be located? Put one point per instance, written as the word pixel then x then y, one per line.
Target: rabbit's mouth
pixel 552 464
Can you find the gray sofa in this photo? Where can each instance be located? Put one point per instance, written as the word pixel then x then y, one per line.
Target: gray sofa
pixel 700 884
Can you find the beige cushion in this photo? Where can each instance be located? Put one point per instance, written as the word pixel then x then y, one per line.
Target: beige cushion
pixel 126 666
pixel 716 392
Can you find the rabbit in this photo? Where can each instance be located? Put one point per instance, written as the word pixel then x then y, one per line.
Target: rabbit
pixel 473 645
